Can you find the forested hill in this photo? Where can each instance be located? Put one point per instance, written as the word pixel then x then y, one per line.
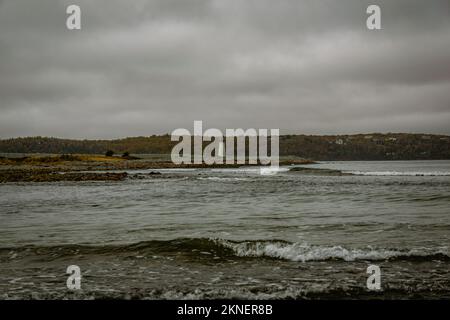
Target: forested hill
pixel 398 146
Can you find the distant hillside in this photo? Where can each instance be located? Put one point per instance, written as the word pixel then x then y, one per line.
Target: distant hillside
pixel 136 145
pixel 396 146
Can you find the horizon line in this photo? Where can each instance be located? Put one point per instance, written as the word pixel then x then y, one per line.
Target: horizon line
pixel 284 134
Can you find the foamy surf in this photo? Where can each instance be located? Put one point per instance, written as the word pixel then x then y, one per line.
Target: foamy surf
pixel 304 252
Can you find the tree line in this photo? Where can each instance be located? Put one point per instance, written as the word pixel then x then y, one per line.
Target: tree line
pixel 397 146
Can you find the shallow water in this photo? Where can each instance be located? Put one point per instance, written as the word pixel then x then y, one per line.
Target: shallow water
pixel 232 233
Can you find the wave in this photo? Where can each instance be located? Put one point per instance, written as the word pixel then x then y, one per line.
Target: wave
pixel 254 169
pixel 224 179
pixel 272 249
pixel 304 252
pixel 318 171
pixel 334 172
pixel 399 173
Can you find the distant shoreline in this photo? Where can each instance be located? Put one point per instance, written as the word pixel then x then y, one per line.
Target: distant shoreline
pixel 357 147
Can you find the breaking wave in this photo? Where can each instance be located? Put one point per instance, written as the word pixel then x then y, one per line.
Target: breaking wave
pixel 273 249
pixel 304 252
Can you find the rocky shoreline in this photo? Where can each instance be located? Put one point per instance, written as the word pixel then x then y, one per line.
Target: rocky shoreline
pixel 92 168
pixel 50 176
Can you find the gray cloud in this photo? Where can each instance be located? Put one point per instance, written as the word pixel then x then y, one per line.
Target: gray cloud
pixel 149 67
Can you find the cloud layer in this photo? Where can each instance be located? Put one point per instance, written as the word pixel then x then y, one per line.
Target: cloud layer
pixel 148 67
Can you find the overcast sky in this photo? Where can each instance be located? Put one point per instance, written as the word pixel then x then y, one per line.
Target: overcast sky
pixel 148 67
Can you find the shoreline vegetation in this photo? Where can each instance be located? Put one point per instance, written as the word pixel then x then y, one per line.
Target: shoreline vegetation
pixel 84 167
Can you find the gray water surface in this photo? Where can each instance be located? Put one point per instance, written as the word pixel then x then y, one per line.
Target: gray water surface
pixel 221 233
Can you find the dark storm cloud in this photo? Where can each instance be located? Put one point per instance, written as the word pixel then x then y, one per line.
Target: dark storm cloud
pixel 147 67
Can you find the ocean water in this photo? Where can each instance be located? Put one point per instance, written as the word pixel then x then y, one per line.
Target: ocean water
pixel 232 233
